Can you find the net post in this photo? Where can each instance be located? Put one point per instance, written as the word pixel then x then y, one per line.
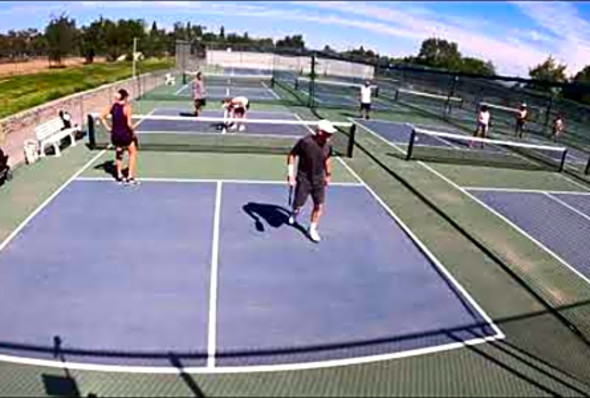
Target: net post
pixel 548 112
pixel 395 98
pixel 411 144
pixel 91 132
pixel 451 94
pixel 587 171
pixel 351 140
pixel 311 88
pixel 562 164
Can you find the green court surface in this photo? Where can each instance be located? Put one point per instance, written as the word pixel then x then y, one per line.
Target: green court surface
pixel 542 308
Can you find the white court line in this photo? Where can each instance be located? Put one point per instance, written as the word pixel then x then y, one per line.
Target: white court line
pixel 213 112
pixel 369 130
pixel 237 134
pixel 315 97
pixel 180 90
pixel 507 221
pixel 212 343
pixel 574 182
pixel 570 207
pixel 489 208
pixel 441 140
pixel 248 121
pixel 242 369
pixel 216 180
pixel 211 369
pixel 519 190
pixel 49 200
pixel 271 91
pixel 430 256
pixel 306 126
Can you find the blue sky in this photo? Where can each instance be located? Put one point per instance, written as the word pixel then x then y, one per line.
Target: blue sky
pixel 514 35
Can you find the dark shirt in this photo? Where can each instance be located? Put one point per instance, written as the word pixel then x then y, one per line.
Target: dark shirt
pixel 120 126
pixel 312 157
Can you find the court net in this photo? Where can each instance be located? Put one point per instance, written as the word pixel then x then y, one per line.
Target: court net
pixel 245 80
pixel 256 87
pixel 423 98
pixel 443 147
pixel 217 134
pixel 333 87
pixel 508 114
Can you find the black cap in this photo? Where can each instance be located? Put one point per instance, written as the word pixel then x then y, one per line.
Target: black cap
pixel 123 93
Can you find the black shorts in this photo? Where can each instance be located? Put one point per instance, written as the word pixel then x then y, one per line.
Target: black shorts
pixel 239 111
pixel 200 102
pixel 304 188
pixel 366 106
pixel 122 140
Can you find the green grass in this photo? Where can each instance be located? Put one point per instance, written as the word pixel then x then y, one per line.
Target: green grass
pixel 26 91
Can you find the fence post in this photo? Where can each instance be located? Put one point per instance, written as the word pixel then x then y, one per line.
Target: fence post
pixel 312 81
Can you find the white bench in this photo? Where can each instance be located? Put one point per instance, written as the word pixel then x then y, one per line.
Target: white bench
pixel 52 132
pixel 169 79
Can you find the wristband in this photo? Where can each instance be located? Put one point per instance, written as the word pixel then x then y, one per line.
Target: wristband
pixel 290 170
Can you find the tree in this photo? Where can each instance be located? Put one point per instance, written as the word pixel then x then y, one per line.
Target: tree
pixel 579 88
pixel 549 71
pixel 93 40
pixel 439 53
pixel 61 35
pixel 222 33
pixel 474 65
pixel 295 42
pixel 328 50
pixel 583 76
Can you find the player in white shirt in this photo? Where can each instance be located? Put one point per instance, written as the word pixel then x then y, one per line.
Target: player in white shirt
pixel 483 123
pixel 558 127
pixel 236 108
pixel 521 116
pixel 366 99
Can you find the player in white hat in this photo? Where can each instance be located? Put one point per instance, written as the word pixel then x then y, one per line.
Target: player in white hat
pixel 313 173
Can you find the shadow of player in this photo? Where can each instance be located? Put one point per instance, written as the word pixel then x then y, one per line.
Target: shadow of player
pixel 275 216
pixel 109 168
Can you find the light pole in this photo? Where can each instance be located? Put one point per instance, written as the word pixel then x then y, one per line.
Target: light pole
pixel 134 56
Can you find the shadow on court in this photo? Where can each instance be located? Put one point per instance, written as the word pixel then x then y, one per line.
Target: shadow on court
pixel 109 168
pixel 275 216
pixel 60 386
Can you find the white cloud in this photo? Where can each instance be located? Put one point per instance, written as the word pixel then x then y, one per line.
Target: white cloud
pixel 571 31
pixel 560 30
pixel 509 54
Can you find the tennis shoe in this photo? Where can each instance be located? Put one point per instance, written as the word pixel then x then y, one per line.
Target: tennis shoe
pixel 242 128
pixel 314 235
pixel 131 181
pixel 233 127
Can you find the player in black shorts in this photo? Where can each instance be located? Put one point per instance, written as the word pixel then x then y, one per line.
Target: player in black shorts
pixel 123 135
pixel 313 173
pixel 521 117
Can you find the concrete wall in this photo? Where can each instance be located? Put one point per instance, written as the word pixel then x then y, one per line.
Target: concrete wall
pixel 15 129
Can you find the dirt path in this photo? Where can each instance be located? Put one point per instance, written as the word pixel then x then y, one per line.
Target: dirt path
pixel 38 65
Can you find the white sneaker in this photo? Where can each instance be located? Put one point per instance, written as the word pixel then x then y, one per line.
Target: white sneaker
pixel 313 234
pixel 242 128
pixel 233 127
pixel 131 181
